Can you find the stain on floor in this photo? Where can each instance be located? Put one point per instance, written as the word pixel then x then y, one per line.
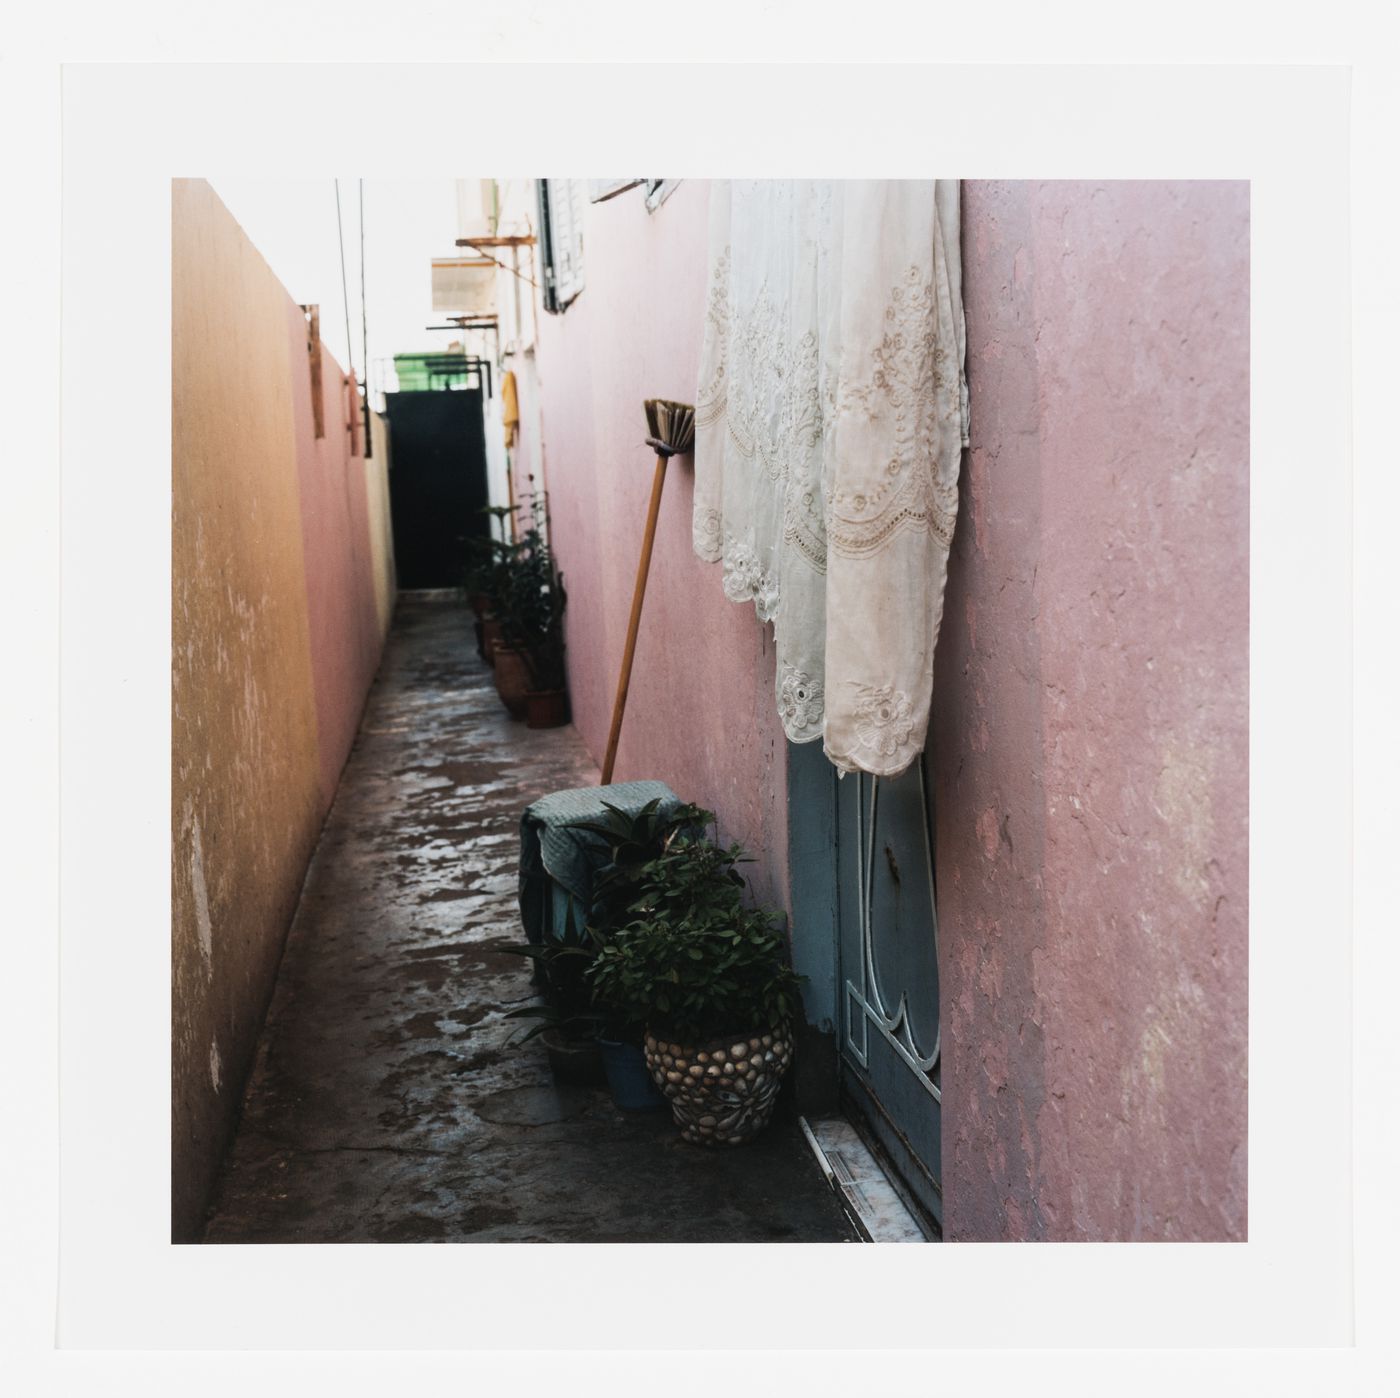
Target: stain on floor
pixel 386 1104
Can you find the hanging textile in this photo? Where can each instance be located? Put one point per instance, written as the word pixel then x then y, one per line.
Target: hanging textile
pixel 510 407
pixel 830 421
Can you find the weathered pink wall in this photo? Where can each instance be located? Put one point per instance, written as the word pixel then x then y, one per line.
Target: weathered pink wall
pixel 1090 739
pixel 346 635
pixel 701 713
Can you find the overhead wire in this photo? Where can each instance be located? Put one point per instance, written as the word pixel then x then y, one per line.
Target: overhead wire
pixel 344 283
pixel 364 324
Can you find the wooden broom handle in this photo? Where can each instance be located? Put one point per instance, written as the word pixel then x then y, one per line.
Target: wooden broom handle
pixel 638 594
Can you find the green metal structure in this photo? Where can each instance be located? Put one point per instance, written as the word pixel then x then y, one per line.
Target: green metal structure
pixel 429 370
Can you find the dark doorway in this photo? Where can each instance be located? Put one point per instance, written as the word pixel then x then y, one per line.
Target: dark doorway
pixel 437 486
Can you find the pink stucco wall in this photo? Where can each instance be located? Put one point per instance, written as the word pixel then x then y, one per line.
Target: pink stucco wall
pixel 701 714
pixel 346 635
pixel 1090 738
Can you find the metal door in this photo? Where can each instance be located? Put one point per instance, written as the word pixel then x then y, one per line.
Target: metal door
pixel 437 485
pixel 887 976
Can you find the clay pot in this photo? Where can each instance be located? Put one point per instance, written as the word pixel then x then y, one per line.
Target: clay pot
pixel 491 631
pixel 480 603
pixel 577 1061
pixel 512 678
pixel 546 708
pixel 722 1092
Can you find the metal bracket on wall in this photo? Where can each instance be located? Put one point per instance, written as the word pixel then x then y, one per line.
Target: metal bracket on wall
pixel 521 240
pixel 313 351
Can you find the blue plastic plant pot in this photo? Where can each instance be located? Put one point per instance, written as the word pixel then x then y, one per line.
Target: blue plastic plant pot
pixel 628 1080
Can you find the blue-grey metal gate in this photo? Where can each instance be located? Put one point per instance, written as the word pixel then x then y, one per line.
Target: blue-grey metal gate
pixel 887 973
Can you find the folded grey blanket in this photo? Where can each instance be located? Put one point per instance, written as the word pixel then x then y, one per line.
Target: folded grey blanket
pixel 558 860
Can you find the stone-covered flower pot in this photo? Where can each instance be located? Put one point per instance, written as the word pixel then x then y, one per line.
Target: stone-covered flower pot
pixel 721 1092
pixel 512 679
pixel 546 708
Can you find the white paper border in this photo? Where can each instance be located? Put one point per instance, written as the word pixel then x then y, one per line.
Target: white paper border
pixel 1041 148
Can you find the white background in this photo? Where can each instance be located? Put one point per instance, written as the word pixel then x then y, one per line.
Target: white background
pixel 126 132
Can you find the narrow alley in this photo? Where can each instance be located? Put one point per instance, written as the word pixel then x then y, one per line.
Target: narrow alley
pixel 387 1103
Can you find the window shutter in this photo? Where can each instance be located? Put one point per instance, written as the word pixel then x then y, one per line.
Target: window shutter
pixel 565 200
pixel 657 192
pixel 546 246
pixel 578 205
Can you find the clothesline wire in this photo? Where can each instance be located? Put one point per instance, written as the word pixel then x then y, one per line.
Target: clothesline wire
pixel 364 323
pixel 344 284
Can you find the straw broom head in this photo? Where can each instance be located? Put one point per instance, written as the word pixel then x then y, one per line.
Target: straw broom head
pixel 670 426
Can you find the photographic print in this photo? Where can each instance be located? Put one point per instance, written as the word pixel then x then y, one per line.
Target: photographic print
pixel 710 711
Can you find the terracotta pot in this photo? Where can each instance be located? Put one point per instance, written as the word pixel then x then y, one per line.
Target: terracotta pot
pixel 546 708
pixel 722 1092
pixel 480 603
pixel 512 678
pixel 491 631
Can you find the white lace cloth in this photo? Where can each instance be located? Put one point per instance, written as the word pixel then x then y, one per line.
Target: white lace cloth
pixel 830 421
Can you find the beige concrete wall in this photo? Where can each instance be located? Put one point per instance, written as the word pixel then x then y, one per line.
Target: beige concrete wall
pixel 268 523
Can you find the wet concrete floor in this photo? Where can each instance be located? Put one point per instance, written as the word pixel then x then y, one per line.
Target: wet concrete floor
pixel 386 1104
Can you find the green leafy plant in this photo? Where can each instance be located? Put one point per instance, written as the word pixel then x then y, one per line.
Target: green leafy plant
pixel 633 843
pixel 490 564
pixel 530 602
pixel 626 843
pixel 576 1024
pixel 692 961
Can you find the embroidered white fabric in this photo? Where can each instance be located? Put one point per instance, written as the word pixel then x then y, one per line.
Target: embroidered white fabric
pixel 830 421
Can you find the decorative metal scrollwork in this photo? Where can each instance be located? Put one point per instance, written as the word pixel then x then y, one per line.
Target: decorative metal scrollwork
pixel 867 998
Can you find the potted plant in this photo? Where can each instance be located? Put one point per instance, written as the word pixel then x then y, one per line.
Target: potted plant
pixel 542 649
pixel 633 844
pixel 573 1015
pixel 532 606
pixel 477 575
pixel 570 1041
pixel 476 583
pixel 486 580
pixel 709 979
pixel 512 678
pixel 565 1020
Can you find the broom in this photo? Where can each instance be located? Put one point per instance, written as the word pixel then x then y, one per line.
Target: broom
pixel 671 431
